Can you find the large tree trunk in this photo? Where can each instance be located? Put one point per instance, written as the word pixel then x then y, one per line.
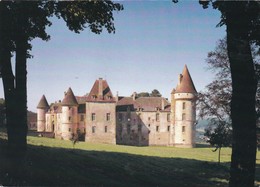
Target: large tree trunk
pixel 14 87
pixel 243 114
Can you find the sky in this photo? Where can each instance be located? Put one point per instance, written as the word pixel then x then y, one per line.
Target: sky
pixel 152 43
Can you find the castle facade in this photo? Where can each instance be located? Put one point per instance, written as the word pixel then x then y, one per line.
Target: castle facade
pixel 142 121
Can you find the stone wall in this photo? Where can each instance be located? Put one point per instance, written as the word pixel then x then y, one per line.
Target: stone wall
pixel 100 122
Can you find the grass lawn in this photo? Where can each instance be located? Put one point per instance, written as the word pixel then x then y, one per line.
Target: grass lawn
pixel 51 162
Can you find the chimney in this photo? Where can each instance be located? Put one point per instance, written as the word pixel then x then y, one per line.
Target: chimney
pixel 179 79
pixel 163 104
pixel 116 96
pixel 134 96
pixel 100 87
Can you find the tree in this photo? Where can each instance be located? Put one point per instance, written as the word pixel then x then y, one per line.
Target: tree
pixel 214 102
pixel 220 136
pixel 243 27
pixel 155 93
pixel 21 22
pixel 143 94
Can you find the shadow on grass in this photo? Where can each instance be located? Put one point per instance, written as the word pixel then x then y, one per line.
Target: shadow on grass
pixel 47 166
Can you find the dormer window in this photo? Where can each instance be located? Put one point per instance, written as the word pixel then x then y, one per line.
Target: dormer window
pixel 94 96
pixel 109 97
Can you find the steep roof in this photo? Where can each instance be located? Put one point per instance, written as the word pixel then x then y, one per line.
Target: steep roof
pixel 81 99
pixel 69 99
pixel 100 92
pixel 43 103
pixel 185 84
pixel 143 103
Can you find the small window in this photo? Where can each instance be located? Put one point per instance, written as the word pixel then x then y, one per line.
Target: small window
pixel 93 117
pixel 168 128
pixel 120 116
pixel 139 128
pixel 108 117
pixel 168 117
pixel 82 117
pixel 183 105
pixel 120 127
pixel 157 116
pixel 69 118
pixel 183 116
pixel 93 129
pixel 183 128
pixel 128 128
pixel 149 118
pixel 157 129
pixel 105 129
pixel 69 129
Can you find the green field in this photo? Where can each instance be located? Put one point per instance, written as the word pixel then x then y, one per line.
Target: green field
pixel 51 162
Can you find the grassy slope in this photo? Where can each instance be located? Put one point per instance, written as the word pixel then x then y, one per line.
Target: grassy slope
pixel 55 162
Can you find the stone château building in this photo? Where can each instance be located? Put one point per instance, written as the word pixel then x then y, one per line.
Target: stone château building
pixel 141 121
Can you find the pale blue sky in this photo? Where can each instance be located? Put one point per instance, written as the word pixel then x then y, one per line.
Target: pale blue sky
pixel 152 43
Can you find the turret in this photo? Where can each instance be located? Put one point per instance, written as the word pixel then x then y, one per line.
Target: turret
pixel 184 110
pixel 42 109
pixel 69 115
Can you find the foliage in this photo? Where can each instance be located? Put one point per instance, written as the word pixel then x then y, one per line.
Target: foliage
pixel 244 84
pixel 143 94
pixel 219 136
pixel 154 93
pixel 23 21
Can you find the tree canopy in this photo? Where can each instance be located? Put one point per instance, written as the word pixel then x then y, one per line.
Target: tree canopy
pixel 23 21
pixel 242 21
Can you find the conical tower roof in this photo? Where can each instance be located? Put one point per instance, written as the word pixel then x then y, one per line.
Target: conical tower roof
pixel 185 83
pixel 43 103
pixel 69 99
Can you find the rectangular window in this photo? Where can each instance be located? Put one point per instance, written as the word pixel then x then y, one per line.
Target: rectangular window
pixel 69 129
pixel 149 118
pixel 168 117
pixel 82 117
pixel 69 118
pixel 139 128
pixel 108 116
pixel 183 128
pixel 120 128
pixel 157 117
pixel 105 129
pixel 183 105
pixel 168 128
pixel 157 129
pixel 93 129
pixel 183 116
pixel 93 117
pixel 120 117
pixel 128 128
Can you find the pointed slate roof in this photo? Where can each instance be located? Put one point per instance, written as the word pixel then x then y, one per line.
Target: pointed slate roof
pixel 186 84
pixel 43 103
pixel 94 95
pixel 69 99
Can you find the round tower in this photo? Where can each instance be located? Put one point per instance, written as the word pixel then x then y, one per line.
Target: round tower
pixel 42 109
pixel 69 115
pixel 184 108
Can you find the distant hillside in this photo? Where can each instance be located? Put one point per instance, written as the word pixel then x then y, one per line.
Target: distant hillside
pixel 202 124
